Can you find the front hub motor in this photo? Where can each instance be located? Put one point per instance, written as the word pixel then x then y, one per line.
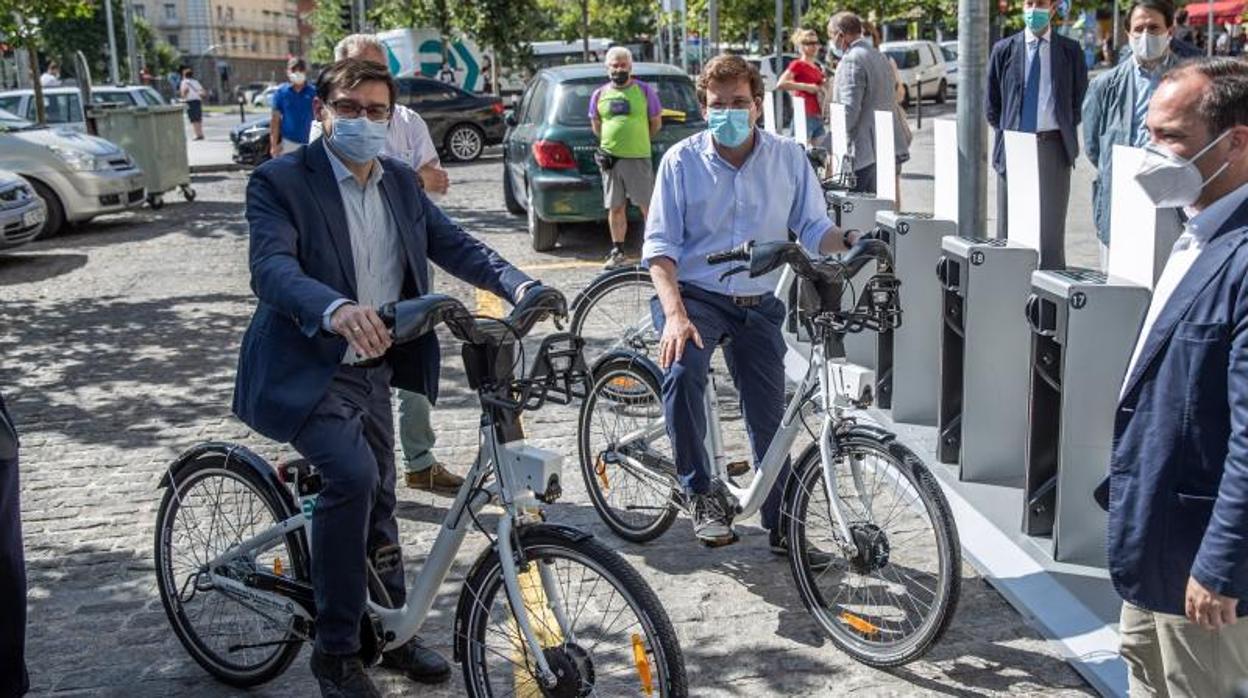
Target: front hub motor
pixel 872 548
pixel 574 670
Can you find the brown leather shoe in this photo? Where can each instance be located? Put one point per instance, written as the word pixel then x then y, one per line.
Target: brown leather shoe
pixel 435 479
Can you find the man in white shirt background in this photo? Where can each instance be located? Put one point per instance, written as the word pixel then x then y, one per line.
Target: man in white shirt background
pixel 52 76
pixel 409 140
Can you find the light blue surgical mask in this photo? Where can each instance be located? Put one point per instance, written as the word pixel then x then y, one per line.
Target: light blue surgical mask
pixel 360 139
pixel 729 127
pixel 1036 19
pixel 836 50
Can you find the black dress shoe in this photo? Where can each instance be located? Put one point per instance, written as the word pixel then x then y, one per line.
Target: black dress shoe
pixel 342 676
pixel 418 662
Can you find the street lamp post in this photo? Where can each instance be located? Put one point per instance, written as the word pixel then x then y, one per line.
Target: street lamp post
pixel 113 72
pixel 972 127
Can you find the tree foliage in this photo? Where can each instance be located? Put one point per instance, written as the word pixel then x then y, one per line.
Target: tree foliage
pixel 327 30
pixel 25 23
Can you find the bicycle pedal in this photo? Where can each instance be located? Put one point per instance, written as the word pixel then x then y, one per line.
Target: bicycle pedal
pixel 387 558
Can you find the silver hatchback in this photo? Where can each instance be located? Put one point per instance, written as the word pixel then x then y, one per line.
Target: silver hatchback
pixel 22 212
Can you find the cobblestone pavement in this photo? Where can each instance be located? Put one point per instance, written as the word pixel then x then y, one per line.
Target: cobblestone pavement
pixel 117 351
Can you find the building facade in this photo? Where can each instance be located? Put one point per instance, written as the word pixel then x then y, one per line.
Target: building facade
pixel 229 43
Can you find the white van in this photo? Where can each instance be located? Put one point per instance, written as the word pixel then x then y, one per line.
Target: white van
pixel 919 60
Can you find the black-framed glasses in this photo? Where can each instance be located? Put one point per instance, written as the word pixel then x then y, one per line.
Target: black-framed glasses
pixel 351 109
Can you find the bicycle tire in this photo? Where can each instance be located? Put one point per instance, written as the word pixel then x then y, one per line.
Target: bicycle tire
pixel 219 465
pixel 808 478
pixel 598 343
pixel 544 543
pixel 606 390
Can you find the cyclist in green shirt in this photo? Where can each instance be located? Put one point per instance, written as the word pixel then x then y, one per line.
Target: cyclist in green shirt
pixel 625 114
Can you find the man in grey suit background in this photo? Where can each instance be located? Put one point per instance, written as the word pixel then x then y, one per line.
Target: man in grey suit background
pixel 864 83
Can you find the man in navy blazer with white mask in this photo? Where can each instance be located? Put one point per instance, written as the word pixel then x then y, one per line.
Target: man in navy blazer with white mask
pixel 337 231
pixel 1177 491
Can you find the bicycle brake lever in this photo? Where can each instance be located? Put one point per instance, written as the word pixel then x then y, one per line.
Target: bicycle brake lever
pixel 732 272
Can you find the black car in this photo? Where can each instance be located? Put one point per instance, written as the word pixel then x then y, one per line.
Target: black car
pixel 461 124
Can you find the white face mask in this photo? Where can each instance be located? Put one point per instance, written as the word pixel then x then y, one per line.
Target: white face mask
pixel 298 78
pixel 1169 180
pixel 1149 47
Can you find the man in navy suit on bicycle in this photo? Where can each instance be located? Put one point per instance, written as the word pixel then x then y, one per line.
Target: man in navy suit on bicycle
pixel 716 190
pixel 337 231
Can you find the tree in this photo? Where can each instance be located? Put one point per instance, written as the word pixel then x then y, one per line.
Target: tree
pixel 327 30
pixel 24 22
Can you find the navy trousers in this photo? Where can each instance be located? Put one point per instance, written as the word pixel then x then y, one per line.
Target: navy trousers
pixel 864 180
pixel 754 350
pixel 13 678
pixel 350 438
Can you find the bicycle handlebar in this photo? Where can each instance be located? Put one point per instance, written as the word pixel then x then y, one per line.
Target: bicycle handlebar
pixel 767 256
pixel 413 318
pixel 741 253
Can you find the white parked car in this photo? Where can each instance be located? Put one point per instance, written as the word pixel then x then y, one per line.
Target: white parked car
pixel 919 61
pixel 77 176
pixel 63 105
pixel 264 98
pixel 950 51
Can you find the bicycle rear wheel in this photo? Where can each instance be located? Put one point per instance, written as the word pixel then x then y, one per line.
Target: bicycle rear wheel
pixel 615 638
pixel 888 603
pixel 629 477
pixel 211 505
pixel 614 313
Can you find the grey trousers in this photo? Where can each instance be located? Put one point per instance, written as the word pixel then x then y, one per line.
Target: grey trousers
pixel 416 433
pixel 1171 657
pixel 1054 198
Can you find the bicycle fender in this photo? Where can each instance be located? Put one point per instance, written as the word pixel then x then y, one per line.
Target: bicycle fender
pixel 604 278
pixel 639 361
pixel 467 596
pixel 867 432
pixel 230 452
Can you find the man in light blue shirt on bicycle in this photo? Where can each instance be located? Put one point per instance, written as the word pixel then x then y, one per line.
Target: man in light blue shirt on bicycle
pixel 715 190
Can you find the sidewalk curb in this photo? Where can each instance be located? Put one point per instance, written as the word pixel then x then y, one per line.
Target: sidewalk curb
pixel 218 167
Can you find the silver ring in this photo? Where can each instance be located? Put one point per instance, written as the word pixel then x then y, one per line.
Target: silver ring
pixel 355 329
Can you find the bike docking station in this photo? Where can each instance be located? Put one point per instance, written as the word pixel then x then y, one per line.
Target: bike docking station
pixel 1084 325
pixel 984 347
pixel 907 364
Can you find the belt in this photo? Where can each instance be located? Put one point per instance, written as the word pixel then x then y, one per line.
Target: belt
pixel 1049 136
pixel 748 301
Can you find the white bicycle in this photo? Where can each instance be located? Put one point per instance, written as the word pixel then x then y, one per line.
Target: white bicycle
pixel 856 496
pixel 545 609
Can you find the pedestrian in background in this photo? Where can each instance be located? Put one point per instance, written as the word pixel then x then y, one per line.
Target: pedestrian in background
pixel 625 114
pixel 408 141
pixel 291 124
pixel 1177 492
pixel 864 83
pixel 1037 79
pixel 193 93
pixel 51 76
pixel 1116 105
pixel 13 679
pixel 804 78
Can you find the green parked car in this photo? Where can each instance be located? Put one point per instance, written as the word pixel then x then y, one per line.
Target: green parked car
pixel 548 153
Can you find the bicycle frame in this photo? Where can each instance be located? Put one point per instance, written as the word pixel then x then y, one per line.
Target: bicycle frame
pixel 398 625
pixel 823 378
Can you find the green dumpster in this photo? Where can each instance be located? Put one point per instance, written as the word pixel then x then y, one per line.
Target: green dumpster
pixel 155 138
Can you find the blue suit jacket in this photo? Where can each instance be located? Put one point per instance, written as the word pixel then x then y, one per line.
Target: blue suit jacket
pixel 301 261
pixel 1178 479
pixel 1006 71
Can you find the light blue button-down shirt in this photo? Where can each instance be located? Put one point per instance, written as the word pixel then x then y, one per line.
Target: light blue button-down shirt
pixel 1143 84
pixel 702 204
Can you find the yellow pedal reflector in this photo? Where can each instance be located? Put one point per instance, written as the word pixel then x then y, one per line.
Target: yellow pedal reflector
pixel 277 566
pixel 862 625
pixel 642 660
pixel 600 467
